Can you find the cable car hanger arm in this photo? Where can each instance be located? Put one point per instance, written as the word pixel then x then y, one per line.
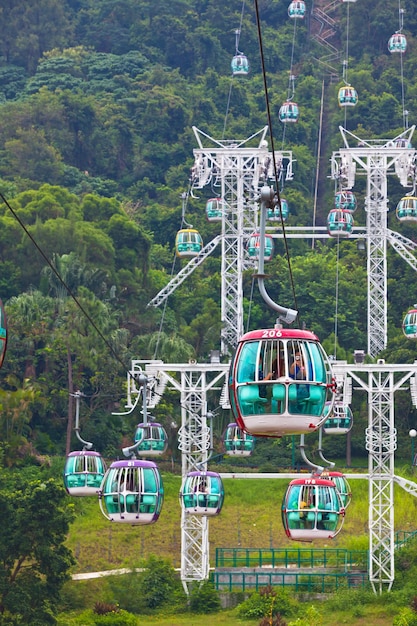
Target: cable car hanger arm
pixel 285 314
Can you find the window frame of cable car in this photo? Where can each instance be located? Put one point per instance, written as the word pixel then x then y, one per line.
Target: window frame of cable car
pixel 240 69
pixel 285 400
pixel 127 484
pixel 80 477
pixel 410 324
pixel 195 499
pixel 345 204
pixel 350 98
pixel 299 516
pixel 400 47
pixel 289 112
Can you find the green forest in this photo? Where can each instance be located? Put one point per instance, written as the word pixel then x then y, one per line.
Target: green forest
pixel 97 104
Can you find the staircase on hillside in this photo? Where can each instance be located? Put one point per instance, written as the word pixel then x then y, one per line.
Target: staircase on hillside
pixel 324 30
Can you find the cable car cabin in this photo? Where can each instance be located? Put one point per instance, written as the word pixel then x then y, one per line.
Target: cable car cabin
pixel 289 112
pixel 240 65
pixel 397 43
pixel 410 324
pixel 237 442
pixel 83 473
pixel 153 438
pixel 348 96
pixel 312 509
pixel 406 210
pixel 402 142
pixel 254 244
pixel 214 209
pixel 132 492
pixel 202 493
pixel 279 381
pixel 274 214
pixel 341 484
pixel 345 200
pixel 297 9
pixel 339 223
pixel 188 242
pixel 339 421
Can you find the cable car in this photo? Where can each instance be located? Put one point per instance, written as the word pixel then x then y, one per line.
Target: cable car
pixel 214 209
pixel 132 492
pixel 289 112
pixel 345 200
pixel 312 509
pixel 279 381
pixel 410 323
pixel 347 96
pixel 406 210
pixel 83 473
pixel 153 438
pixel 188 242
pixel 297 9
pixel 339 421
pixel 237 442
pixel 339 223
pixel 397 43
pixel 254 243
pixel 342 486
pixel 240 65
pixel 202 493
pixel 402 142
pixel 275 216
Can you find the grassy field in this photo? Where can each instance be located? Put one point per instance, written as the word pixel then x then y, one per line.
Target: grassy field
pixel 251 518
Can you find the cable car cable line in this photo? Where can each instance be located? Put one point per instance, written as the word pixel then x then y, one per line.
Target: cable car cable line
pixel 274 162
pixel 63 283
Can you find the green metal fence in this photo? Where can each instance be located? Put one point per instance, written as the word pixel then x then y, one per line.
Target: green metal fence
pixel 301 582
pixel 327 557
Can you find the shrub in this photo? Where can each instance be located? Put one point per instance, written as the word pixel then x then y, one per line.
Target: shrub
pixel 204 598
pixel 406 617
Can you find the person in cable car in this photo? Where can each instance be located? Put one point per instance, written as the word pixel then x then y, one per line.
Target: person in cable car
pixel 297 369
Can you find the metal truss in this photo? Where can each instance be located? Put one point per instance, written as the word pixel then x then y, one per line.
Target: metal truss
pixel 376 160
pixel 239 169
pixel 194 382
pixel 381 381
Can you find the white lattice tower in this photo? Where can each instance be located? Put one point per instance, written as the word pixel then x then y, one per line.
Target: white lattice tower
pixel 238 169
pixel 380 381
pixel 376 160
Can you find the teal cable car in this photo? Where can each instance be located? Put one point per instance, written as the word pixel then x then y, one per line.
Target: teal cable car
pixel 237 442
pixel 339 223
pixel 254 244
pixel 153 439
pixel 214 209
pixel 289 112
pixel 410 323
pixel 202 493
pixel 397 43
pixel 188 242
pixel 274 214
pixel 345 200
pixel 347 96
pixel 297 9
pixel 406 210
pixel 240 65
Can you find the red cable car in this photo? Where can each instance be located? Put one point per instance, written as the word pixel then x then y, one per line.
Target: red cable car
pixel 279 382
pixel 312 509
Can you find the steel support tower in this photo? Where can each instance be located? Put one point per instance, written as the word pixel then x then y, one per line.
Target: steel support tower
pixel 375 159
pixel 238 169
pixel 194 383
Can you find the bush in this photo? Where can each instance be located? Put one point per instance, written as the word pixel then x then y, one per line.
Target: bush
pixel 268 602
pixel 204 598
pixel 406 617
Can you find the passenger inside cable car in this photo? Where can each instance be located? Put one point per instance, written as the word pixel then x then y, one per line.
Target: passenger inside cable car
pixel 397 43
pixel 202 493
pixel 406 210
pixel 267 394
pixel 254 246
pixel 347 96
pixel 312 509
pixel 240 65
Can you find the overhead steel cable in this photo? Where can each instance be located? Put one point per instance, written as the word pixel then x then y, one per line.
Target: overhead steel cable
pixel 274 163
